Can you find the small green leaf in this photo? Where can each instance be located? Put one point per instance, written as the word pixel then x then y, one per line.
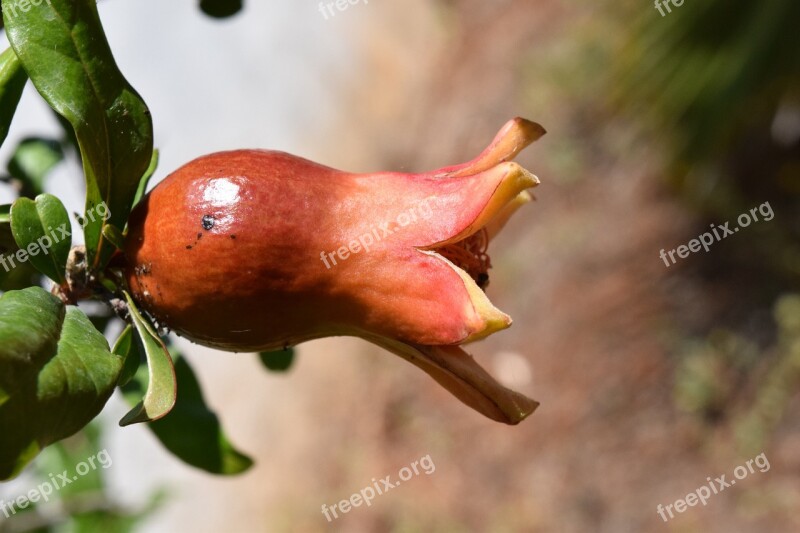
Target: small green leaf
pixel 63 48
pixel 161 387
pixel 191 431
pixel 43 232
pixel 122 346
pixel 32 161
pixel 12 82
pixel 127 348
pixel 56 370
pixel 279 361
pixel 220 8
pixel 113 235
pixel 109 284
pixel 5 214
pixel 142 190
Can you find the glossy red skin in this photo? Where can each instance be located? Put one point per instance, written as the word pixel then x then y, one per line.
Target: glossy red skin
pixel 255 280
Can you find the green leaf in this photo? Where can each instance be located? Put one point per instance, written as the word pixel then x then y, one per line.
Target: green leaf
pixel 142 190
pixel 114 236
pixel 161 387
pixel 12 82
pixel 62 47
pixel 56 369
pixel 279 361
pixel 32 161
pixel 220 8
pixel 5 214
pixel 191 431
pixel 128 349
pixel 122 346
pixel 43 232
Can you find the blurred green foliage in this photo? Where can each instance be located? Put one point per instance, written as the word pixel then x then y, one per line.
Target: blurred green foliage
pixel 718 85
pixel 84 505
pixel 777 385
pixel 712 70
pixel 709 371
pixel 715 86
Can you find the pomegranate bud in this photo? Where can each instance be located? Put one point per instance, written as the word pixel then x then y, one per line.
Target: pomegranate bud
pixel 253 250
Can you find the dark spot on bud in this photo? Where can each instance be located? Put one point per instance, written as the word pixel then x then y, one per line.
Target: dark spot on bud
pixel 188 246
pixel 199 236
pixel 208 222
pixel 233 236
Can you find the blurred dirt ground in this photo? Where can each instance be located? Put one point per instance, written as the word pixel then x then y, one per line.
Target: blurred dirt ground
pixel 596 317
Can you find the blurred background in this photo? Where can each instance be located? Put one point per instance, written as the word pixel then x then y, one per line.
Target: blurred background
pixel 651 378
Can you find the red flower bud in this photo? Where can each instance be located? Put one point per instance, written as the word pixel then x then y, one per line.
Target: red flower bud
pixel 254 250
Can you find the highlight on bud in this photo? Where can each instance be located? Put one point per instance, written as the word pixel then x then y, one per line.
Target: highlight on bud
pixel 259 250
